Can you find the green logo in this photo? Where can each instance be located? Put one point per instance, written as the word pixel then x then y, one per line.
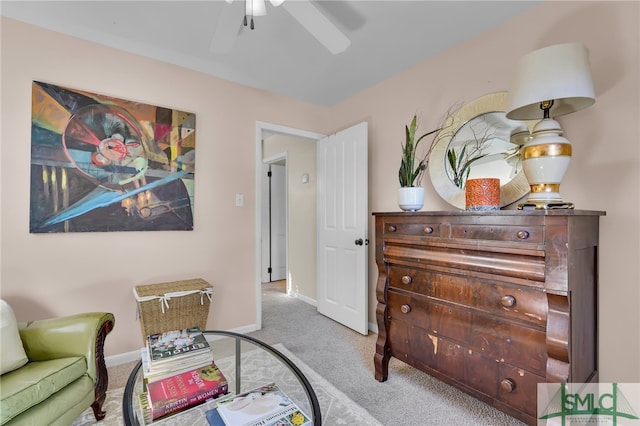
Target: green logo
pixel 588 403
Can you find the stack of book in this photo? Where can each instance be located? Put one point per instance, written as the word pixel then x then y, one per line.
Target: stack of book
pixel 179 372
pixel 266 405
pixel 175 351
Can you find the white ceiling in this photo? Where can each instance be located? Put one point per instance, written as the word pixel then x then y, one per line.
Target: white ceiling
pixel 279 56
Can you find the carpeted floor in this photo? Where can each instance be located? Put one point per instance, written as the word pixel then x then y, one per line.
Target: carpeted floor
pixel 119 374
pixel 345 359
pixel 336 408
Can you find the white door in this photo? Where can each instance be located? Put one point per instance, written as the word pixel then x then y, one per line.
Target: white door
pixel 278 219
pixel 342 227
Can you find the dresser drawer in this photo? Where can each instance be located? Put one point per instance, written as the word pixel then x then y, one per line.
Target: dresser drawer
pixel 445 228
pixel 524 234
pixel 419 229
pixel 519 303
pixel 518 388
pixel 491 336
pixel 428 351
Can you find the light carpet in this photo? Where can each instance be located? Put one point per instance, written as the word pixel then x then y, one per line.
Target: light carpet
pixel 335 406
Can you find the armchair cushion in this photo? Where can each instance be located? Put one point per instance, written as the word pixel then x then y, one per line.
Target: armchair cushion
pixel 36 382
pixel 12 355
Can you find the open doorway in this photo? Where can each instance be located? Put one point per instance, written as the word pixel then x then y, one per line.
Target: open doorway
pixel 336 284
pixel 274 221
pixel 294 152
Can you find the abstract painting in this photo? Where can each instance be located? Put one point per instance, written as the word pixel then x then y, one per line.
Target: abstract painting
pixel 103 164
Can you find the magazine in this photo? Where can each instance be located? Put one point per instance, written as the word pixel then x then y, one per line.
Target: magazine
pixel 144 417
pixel 264 406
pixel 176 344
pixel 155 372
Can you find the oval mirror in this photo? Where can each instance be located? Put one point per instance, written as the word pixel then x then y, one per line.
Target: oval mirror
pixel 480 142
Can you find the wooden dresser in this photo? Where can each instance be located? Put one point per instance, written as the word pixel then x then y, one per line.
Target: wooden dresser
pixel 491 303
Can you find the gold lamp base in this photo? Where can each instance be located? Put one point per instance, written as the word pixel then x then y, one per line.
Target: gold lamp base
pixel 545 205
pixel 545 158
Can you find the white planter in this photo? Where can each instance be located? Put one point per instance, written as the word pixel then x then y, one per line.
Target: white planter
pixel 411 199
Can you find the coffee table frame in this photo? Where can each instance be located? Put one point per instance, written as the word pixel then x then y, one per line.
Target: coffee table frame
pixel 128 400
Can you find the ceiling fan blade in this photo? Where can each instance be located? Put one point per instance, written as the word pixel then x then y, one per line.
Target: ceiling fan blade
pixel 228 27
pixel 318 25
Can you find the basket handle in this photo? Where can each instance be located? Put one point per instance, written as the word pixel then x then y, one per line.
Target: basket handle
pixel 164 299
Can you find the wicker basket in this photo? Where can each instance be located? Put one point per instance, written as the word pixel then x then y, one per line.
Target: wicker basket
pixel 173 305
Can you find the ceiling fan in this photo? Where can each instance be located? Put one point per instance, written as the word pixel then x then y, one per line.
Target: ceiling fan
pixel 304 11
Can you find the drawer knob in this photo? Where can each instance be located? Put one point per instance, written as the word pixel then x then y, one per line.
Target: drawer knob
pixel 508 385
pixel 406 279
pixel 507 301
pixel 523 235
pixel 428 230
pixel 392 228
pixel 405 309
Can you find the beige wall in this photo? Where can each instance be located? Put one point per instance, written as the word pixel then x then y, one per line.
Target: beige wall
pixel 605 169
pixel 57 274
pixel 47 275
pixel 301 203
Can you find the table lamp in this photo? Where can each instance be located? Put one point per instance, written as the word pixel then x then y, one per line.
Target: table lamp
pixel 548 83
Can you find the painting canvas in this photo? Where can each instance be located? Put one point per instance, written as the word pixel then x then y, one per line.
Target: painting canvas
pixel 102 164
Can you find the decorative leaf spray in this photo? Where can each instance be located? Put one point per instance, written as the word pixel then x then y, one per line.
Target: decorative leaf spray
pixel 414 161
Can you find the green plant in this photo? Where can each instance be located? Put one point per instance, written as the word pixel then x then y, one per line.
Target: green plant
pixel 461 165
pixel 413 164
pixel 474 147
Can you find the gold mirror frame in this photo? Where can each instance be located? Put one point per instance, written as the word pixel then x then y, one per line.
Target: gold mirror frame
pixel 511 191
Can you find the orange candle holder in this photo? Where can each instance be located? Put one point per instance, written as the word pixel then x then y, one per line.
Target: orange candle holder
pixel 482 194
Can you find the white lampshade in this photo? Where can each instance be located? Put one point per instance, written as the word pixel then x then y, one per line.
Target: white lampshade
pixel 559 73
pixel 547 83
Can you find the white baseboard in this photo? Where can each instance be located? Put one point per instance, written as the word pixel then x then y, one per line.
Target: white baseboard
pixel 124 358
pixel 372 326
pixel 306 299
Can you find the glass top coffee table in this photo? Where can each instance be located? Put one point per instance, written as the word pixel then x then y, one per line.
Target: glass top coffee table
pixel 247 363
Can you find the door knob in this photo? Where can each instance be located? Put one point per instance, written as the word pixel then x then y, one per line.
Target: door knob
pixel 360 242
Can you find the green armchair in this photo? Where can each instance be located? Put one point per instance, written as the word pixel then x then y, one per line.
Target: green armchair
pixel 65 373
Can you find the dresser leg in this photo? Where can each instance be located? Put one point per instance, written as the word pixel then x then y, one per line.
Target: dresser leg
pixel 381 361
